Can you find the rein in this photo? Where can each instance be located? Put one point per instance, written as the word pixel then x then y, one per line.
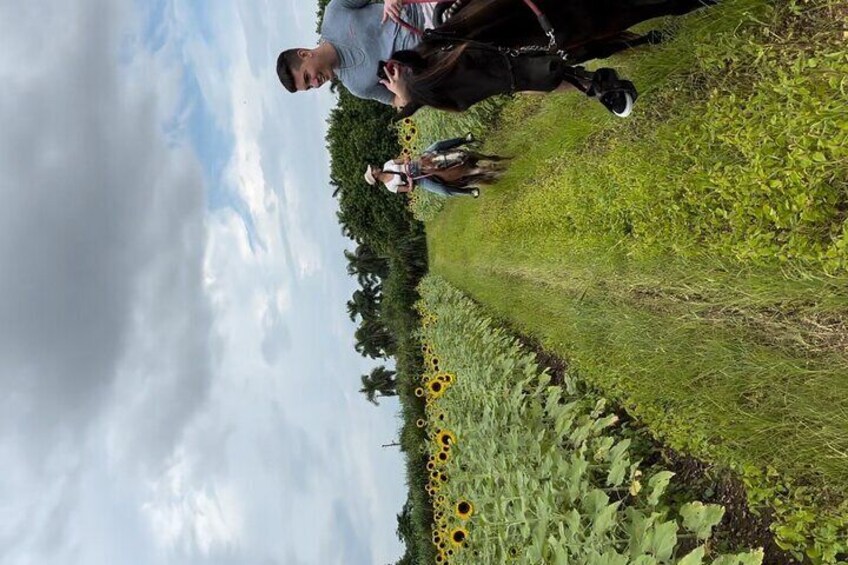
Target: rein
pixel 543 20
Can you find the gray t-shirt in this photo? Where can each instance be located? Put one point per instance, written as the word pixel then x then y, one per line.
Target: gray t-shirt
pixel 353 27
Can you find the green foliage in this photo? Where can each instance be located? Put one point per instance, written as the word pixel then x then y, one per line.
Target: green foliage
pixel 425 205
pixel 360 132
pixel 435 125
pixel 539 461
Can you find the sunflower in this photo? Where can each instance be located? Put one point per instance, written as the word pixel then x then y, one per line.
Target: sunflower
pixel 435 475
pixel 513 552
pixel 436 388
pixel 445 438
pixel 458 536
pixel 443 456
pixel 464 510
pixel 441 558
pixel 443 477
pixel 446 377
pixel 431 465
pixel 407 121
pixel 419 392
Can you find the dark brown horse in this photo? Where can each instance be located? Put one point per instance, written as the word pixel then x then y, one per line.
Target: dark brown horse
pixel 459 63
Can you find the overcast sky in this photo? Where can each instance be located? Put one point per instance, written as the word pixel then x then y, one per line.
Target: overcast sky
pixel 178 374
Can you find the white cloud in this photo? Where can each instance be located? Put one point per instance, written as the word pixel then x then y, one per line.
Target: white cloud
pixel 185 515
pixel 175 392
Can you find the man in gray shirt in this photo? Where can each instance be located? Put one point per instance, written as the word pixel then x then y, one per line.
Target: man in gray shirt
pixel 355 36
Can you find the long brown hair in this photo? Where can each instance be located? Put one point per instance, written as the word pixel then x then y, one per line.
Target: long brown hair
pixel 426 66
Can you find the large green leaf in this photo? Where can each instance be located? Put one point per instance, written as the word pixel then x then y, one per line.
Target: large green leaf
pixel 663 540
pixel 700 518
pixel 658 484
pixel 605 519
pixel 748 558
pixel 559 551
pixel 694 557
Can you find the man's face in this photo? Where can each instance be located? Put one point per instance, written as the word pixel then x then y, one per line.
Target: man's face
pixel 313 71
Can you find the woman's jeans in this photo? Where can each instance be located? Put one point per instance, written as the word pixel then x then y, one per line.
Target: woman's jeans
pixel 446 145
pixel 434 186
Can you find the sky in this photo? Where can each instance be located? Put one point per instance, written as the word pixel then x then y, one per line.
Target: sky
pixel 178 373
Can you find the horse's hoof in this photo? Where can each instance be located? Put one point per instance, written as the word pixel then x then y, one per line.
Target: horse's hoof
pixel 619 102
pixel 628 106
pixel 475 193
pixel 656 36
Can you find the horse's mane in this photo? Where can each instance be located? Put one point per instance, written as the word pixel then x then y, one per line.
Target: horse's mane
pixel 477 18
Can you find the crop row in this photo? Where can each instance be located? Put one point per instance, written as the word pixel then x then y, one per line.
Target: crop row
pixel 524 470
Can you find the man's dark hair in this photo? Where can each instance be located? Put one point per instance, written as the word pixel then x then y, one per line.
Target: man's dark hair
pixel 287 64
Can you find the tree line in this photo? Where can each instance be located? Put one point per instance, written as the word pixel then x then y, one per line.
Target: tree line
pixel 388 261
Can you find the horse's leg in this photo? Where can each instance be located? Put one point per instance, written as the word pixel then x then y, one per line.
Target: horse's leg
pixel 537 73
pixel 606 48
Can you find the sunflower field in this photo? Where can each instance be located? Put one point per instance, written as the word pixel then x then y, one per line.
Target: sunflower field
pixel 524 470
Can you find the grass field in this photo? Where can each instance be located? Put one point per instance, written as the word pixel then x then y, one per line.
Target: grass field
pixel 526 470
pixel 691 262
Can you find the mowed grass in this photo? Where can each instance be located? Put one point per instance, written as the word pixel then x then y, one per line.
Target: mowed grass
pixel 691 261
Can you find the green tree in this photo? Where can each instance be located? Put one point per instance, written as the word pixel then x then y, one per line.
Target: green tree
pixel 364 303
pixel 374 340
pixel 381 382
pixel 364 263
